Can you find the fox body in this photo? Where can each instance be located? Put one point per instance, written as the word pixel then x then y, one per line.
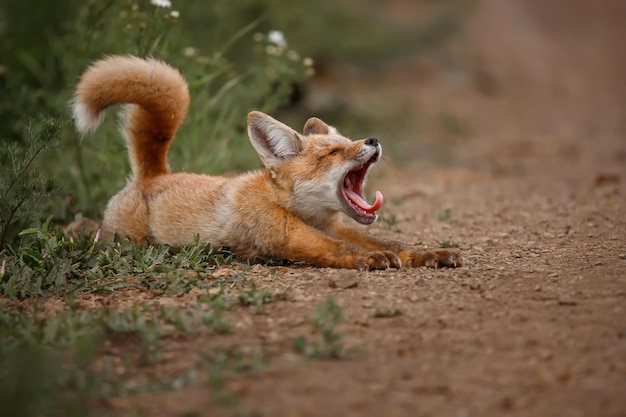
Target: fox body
pixel 289 209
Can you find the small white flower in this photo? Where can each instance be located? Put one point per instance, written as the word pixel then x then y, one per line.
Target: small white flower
pixel 271 50
pixel 277 38
pixel 293 55
pixel 174 14
pixel 307 62
pixel 190 51
pixel 161 3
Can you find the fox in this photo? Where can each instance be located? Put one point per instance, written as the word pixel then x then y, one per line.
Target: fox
pixel 293 208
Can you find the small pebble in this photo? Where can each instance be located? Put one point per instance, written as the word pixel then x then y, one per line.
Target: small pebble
pixel 344 278
pixel 475 285
pixel 566 300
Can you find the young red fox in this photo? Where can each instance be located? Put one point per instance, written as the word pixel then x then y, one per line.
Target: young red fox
pixel 289 210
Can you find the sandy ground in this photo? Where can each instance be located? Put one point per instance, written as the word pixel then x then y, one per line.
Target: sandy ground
pixel 533 193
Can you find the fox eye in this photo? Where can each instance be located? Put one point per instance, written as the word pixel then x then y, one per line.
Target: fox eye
pixel 334 151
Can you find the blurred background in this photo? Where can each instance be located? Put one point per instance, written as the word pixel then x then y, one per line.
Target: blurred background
pixel 428 77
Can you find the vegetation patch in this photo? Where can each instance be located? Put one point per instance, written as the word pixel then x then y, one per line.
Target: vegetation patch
pixel 328 343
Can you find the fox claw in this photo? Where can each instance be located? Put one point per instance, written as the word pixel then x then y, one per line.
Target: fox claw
pixel 383 260
pixel 441 258
pixel 449 258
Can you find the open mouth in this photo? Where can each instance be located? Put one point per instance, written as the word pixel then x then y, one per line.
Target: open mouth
pixel 352 192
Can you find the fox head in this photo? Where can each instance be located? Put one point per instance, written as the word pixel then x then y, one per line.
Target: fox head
pixel 321 172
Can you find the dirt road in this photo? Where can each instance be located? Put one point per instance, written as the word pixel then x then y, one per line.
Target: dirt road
pixel 533 191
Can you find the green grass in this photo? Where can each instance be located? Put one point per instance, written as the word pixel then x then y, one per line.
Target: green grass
pixel 445 214
pixel 46 261
pixel 388 220
pixel 62 362
pixel 448 244
pixel 255 298
pixel 329 343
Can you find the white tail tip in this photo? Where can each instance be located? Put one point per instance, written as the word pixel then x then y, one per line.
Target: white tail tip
pixel 86 120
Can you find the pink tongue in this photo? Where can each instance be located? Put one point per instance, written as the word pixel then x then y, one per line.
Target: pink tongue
pixel 362 204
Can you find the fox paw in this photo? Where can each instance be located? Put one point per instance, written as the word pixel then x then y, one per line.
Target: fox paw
pixel 440 258
pixel 382 260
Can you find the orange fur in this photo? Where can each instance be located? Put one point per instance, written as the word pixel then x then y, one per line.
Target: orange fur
pixel 290 209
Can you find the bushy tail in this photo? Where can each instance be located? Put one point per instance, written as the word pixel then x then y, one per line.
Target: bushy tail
pixel 158 96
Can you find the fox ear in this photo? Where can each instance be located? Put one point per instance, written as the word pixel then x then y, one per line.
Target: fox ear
pixel 315 126
pixel 272 140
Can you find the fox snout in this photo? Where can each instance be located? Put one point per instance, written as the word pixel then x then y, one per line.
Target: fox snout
pixel 370 150
pixel 371 141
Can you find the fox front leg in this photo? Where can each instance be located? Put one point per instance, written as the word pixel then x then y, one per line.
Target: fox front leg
pixel 364 240
pixel 409 257
pixel 308 244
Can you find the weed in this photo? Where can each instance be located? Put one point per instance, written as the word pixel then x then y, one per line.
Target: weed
pixel 48 261
pixel 448 244
pixel 445 214
pixel 255 298
pixel 214 318
pixel 453 125
pixel 330 344
pixel 221 362
pixel 388 220
pixel 22 188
